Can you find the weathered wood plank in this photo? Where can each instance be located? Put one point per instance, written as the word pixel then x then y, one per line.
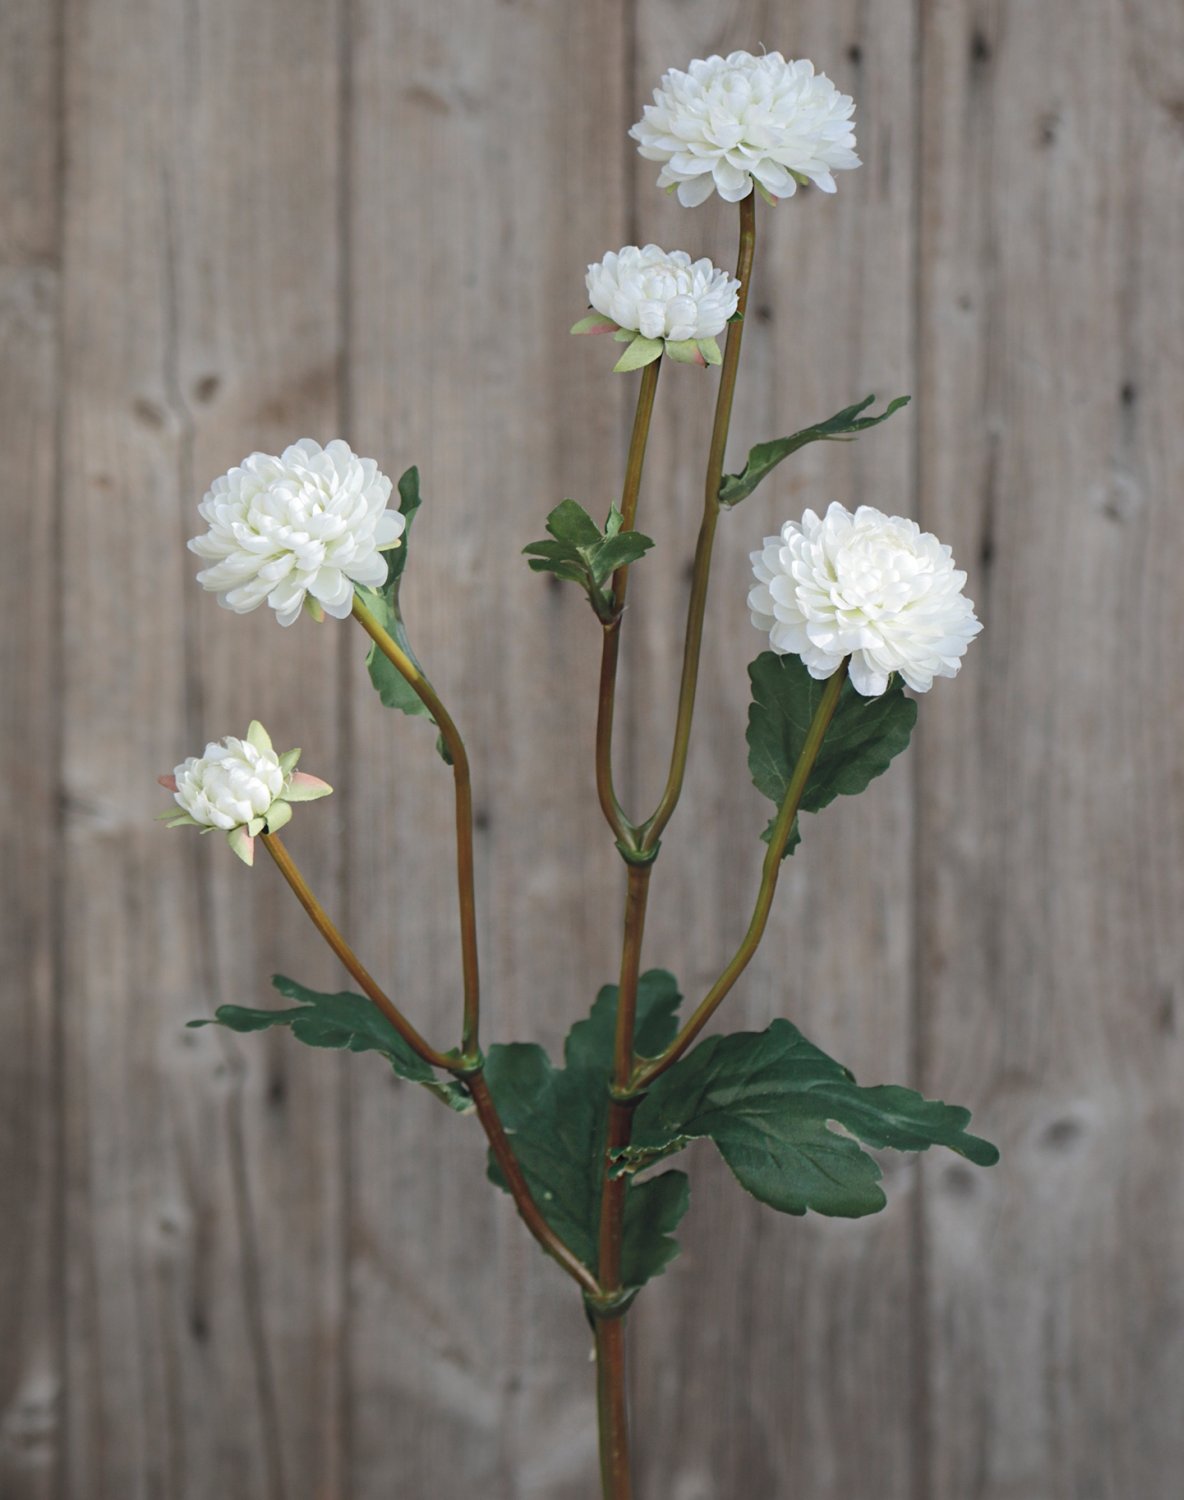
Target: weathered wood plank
pixel 482 183
pixel 203 1177
pixel 781 1352
pixel 30 1359
pixel 1051 839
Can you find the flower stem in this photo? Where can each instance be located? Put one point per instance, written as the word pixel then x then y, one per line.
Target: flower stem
pixel 473 1077
pixel 611 1408
pixel 324 925
pixel 625 832
pixel 644 1076
pixel 462 779
pixel 527 1208
pixel 651 831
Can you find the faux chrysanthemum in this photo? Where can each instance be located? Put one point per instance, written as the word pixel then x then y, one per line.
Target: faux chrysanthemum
pixel 728 121
pixel 297 531
pixel 240 787
pixel 658 300
pixel 872 587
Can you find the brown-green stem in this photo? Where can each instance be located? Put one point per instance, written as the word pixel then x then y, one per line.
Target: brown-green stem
pixel 610 1333
pixel 625 832
pixel 462 779
pixel 651 830
pixel 644 1076
pixel 369 986
pixel 611 1409
pixel 472 1074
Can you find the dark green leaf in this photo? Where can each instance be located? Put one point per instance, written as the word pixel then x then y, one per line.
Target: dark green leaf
pixel 393 688
pixel 863 737
pixel 765 456
pixel 768 1099
pixel 342 1020
pixel 557 1120
pixel 618 552
pixel 570 522
pixel 580 552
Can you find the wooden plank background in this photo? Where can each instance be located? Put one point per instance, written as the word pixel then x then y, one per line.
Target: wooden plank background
pixel 235 1269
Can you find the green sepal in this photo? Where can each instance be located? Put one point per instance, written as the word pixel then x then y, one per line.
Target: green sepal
pixel 624 336
pixel 710 350
pixel 557 1119
pixel 766 456
pixel 279 815
pixel 393 688
pixel 641 351
pixel 766 194
pixel 581 552
pixel 685 351
pixel 346 1021
pixel 594 323
pixel 864 735
pixel 769 1100
pixel 288 761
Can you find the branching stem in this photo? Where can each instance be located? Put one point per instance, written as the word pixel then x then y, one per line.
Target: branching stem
pixel 644 1076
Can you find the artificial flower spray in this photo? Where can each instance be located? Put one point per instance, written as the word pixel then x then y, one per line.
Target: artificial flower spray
pixel 856 607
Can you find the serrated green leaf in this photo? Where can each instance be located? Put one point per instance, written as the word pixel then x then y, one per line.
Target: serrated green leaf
pixel 557 1119
pixel 580 552
pixel 641 351
pixel 766 456
pixel 769 1099
pixel 618 552
pixel 346 1021
pixel 570 522
pixel 864 735
pixel 393 688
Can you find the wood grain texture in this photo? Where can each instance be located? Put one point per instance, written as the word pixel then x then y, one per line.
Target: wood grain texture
pixel 1050 895
pixel 203 1178
pixel 30 1242
pixel 235 1268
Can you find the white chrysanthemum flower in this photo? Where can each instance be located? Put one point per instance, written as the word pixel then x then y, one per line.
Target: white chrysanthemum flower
pixel 297 530
pixel 729 120
pixel 872 587
pixel 240 787
pixel 660 300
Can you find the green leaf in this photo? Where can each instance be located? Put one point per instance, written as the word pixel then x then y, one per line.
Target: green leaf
pixel 863 737
pixel 769 1100
pixel 557 1119
pixel 393 688
pixel 765 456
pixel 570 522
pixel 580 552
pixel 341 1020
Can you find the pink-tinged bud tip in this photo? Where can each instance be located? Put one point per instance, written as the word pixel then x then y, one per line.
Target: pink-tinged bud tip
pixel 168 782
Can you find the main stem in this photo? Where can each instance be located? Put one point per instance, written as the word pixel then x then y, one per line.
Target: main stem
pixel 427 695
pixel 610 1330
